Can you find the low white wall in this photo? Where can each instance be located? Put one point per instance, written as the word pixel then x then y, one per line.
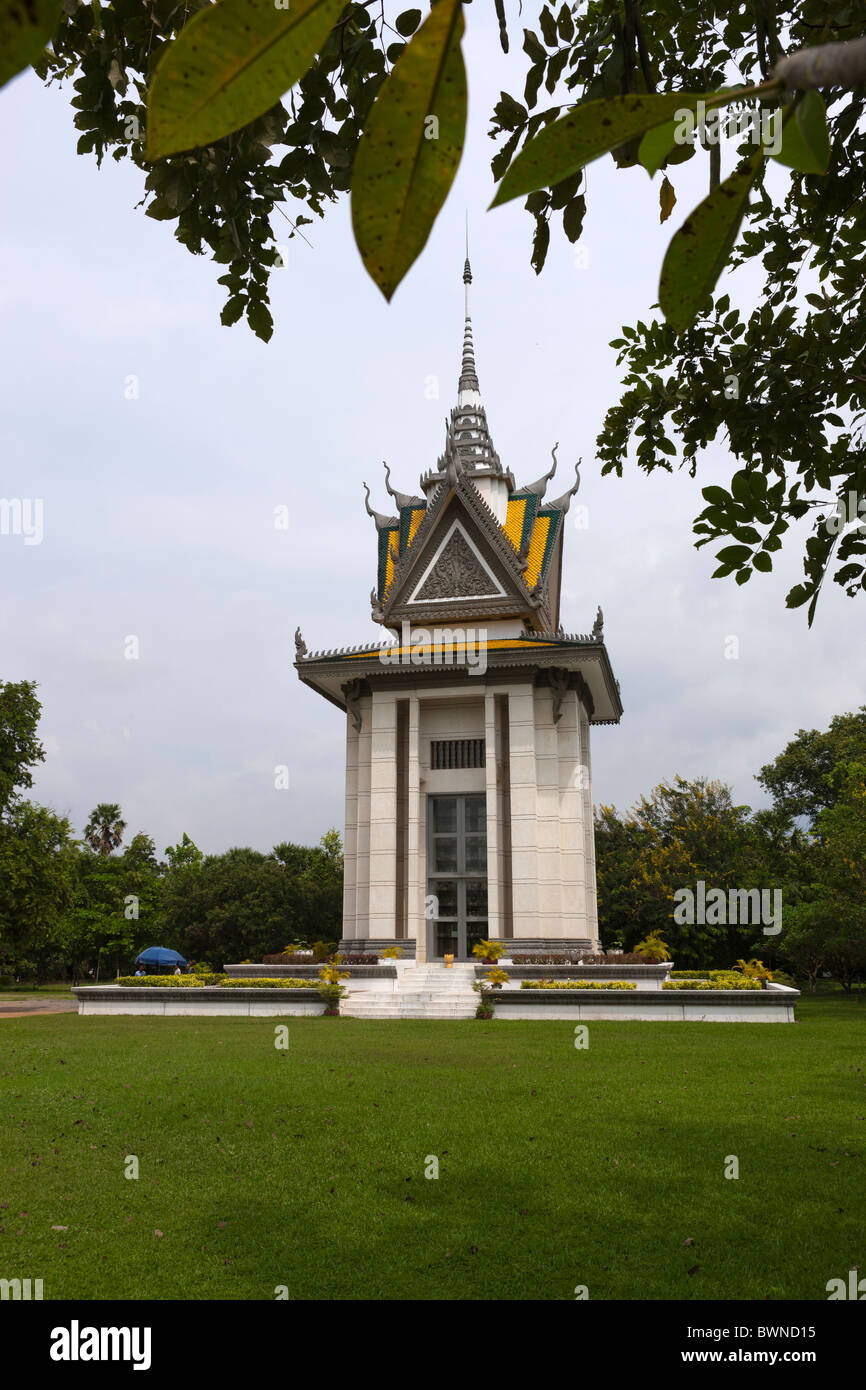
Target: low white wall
pixel 206 1002
pixel 774 1005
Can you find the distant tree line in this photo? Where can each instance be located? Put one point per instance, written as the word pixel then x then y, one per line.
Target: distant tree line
pixel 809 847
pixel 84 908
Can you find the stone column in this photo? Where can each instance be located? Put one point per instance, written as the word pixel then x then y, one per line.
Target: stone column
pixel 548 828
pixel 383 817
pixel 524 811
pixel 416 925
pixel 494 918
pixel 350 839
pixel 362 862
pixel 571 813
pixel 588 834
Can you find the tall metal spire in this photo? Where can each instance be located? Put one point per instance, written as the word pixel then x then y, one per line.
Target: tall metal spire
pixel 468 375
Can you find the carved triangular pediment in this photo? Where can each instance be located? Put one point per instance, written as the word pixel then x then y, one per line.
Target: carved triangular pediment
pixel 461 565
pixel 456 571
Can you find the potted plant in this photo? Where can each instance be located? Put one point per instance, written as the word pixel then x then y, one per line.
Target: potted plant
pixel 488 952
pixel 496 978
pixel 331 989
pixel 653 948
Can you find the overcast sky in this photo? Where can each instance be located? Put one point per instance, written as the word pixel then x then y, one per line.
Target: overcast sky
pixel 159 511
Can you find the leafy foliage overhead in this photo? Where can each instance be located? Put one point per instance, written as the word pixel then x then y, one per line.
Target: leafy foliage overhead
pixel 782 381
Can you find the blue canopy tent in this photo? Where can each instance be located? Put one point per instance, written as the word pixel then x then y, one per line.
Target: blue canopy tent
pixel 159 960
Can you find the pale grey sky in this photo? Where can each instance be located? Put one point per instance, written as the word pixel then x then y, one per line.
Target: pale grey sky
pixel 159 511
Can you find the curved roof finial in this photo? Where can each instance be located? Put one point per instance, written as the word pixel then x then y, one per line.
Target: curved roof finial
pixel 540 487
pixel 562 503
pixel 403 499
pixel 381 521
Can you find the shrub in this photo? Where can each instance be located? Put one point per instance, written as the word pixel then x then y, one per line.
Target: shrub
pixel 392 953
pixel 285 982
pixel 289 958
pixel 163 981
pixel 321 950
pixel 754 969
pixel 623 958
pixel 546 959
pixel 734 982
pixel 781 977
pixel 577 984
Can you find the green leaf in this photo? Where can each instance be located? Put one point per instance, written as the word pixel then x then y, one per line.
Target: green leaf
pixel 656 145
pixel 716 495
pixel 762 562
pixel 25 28
pixel 591 129
pixel 407 22
pixel 798 596
pixel 699 250
pixel 259 319
pixel 805 137
pixel 410 149
pixel 733 554
pixel 230 63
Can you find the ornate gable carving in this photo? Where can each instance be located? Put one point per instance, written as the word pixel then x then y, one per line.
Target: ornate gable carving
pixel 457 573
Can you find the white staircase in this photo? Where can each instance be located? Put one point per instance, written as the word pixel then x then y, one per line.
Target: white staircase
pixel 422 991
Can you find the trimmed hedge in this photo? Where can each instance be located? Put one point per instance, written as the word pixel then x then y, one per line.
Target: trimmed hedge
pixel 168 981
pixel 735 982
pixel 255 983
pixel 723 978
pixel 577 984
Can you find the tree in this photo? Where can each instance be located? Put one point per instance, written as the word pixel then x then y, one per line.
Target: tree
pixel 683 832
pixel 801 779
pixel 20 748
pixel 828 926
pixel 37 884
pixel 105 829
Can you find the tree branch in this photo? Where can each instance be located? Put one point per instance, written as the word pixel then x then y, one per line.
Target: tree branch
pixel 829 65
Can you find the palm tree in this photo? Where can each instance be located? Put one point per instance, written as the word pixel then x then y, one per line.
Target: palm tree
pixel 104 830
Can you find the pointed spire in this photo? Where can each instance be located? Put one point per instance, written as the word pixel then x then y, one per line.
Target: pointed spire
pixel 467 436
pixel 468 376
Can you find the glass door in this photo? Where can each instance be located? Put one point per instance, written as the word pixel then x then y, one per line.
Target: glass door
pixel 457 874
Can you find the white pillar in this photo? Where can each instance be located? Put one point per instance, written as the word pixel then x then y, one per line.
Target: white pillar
pixel 416 922
pixel 495 925
pixel 524 811
pixel 362 864
pixel 383 817
pixel 548 830
pixel 571 817
pixel 350 838
pixel 588 834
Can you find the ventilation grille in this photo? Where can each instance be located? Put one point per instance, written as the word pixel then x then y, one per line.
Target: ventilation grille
pixel 457 752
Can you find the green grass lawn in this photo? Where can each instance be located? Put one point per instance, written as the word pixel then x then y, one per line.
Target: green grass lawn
pixel 558 1167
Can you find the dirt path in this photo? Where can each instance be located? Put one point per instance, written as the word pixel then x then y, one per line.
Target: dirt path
pixel 25 1008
